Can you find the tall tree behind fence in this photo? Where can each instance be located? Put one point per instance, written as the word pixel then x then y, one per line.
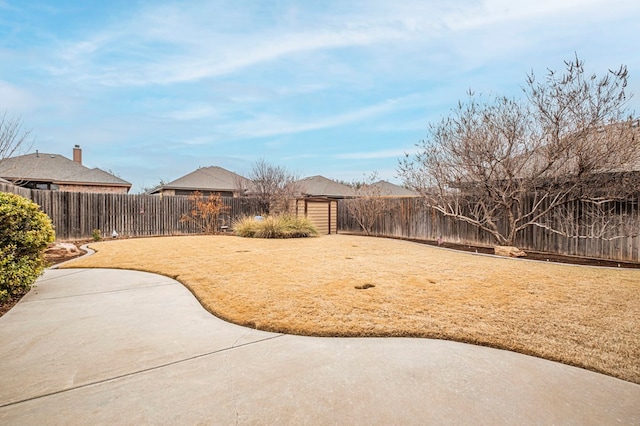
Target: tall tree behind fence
pixel 410 218
pixel 75 215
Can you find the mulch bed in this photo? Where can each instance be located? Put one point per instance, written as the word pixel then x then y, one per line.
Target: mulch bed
pixel 57 256
pixel 533 255
pixel 4 307
pixel 53 257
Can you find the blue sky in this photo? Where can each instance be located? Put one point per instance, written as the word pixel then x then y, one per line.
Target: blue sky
pixel 155 89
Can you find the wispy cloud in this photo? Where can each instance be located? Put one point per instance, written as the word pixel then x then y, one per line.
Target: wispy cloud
pixel 20 100
pixel 382 154
pixel 271 125
pixel 195 112
pixel 337 87
pixel 165 44
pixel 198 141
pixel 289 158
pixel 188 52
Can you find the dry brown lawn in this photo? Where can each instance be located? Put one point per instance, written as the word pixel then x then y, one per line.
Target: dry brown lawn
pixel 587 317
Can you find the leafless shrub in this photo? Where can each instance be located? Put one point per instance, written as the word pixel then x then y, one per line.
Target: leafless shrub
pixel 367 204
pixel 273 186
pixel 205 211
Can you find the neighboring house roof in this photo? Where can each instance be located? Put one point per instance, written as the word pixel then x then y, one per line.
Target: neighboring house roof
pixel 56 169
pixel 320 186
pixel 212 178
pixel 632 160
pixel 388 189
pixel 614 146
pixel 96 175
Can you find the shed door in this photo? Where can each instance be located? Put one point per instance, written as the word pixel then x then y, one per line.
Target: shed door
pixel 333 217
pixel 318 214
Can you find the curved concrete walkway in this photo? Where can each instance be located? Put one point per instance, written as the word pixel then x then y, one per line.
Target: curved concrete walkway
pixel 121 347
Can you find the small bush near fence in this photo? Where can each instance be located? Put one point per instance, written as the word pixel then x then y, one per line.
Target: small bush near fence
pixel 205 212
pixel 284 226
pixel 25 232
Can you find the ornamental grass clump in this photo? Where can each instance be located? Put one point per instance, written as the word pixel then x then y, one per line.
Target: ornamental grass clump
pixel 281 226
pixel 298 227
pixel 245 226
pixel 25 232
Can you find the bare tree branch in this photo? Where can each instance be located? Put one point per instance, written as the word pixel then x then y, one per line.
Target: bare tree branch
pixel 367 205
pixel 273 186
pixel 504 165
pixel 205 212
pixel 13 136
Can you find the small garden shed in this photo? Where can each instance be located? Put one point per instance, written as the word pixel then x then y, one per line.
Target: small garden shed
pixel 321 211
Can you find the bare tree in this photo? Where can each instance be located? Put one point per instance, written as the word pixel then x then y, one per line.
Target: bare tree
pixel 242 186
pixel 273 186
pixel 12 136
pixel 205 211
pixel 367 204
pixel 148 189
pixel 504 165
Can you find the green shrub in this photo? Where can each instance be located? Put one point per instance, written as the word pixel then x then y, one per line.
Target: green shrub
pixel 96 234
pixel 284 226
pixel 25 232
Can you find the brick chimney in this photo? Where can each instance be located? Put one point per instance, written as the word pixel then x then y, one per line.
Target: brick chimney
pixel 77 154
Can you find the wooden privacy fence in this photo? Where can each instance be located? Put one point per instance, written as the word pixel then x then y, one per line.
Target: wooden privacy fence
pixel 410 218
pixel 75 215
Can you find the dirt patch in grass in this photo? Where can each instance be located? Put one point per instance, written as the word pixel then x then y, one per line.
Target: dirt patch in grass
pixel 357 286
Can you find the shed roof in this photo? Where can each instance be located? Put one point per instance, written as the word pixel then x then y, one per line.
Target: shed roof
pixel 320 186
pixel 55 168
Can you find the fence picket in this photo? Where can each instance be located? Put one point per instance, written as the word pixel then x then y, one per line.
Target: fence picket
pixel 410 218
pixel 75 215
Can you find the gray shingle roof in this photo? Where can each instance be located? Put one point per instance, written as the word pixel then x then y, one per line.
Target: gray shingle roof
pixel 320 186
pixel 97 175
pixel 388 189
pixel 56 169
pixel 212 178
